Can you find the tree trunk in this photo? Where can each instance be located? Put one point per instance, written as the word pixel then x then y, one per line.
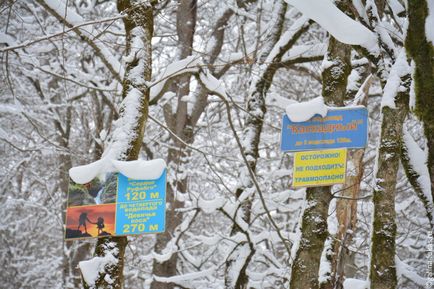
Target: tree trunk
pixel 422 53
pixel 181 125
pixel 255 108
pixel 383 270
pixel 140 30
pixel 314 233
pixel 314 223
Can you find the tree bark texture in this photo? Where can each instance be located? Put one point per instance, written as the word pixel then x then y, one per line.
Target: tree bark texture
pixel 383 269
pixel 422 53
pixel 314 233
pixel 314 223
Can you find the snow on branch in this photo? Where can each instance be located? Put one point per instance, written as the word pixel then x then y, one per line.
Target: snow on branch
pixel 70 18
pixel 185 277
pixel 418 160
pixel 7 39
pixel 351 283
pixel 429 22
pixel 189 64
pixel 210 206
pixel 92 268
pixel 305 51
pixel 212 84
pixel 342 27
pixel 285 38
pixel 404 270
pixel 399 69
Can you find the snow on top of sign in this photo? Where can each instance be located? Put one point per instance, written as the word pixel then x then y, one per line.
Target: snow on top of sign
pixel 303 111
pixel 429 22
pixel 342 27
pixel 139 169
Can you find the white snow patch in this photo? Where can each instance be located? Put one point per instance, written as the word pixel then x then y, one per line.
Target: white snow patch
pixel 393 85
pixel 303 111
pixel 241 253
pixel 327 64
pixel 285 38
pixel 213 84
pixel 353 80
pixel 418 160
pixel 7 39
pixel 412 100
pixel 332 222
pixel 337 23
pixel 361 95
pixel 126 126
pixel 396 6
pixel 351 283
pixel 210 206
pixel 90 269
pixel 402 269
pixel 161 258
pixel 188 64
pixel 278 101
pixel 325 266
pixel 429 22
pixel 139 169
pixel 305 51
pixel 185 277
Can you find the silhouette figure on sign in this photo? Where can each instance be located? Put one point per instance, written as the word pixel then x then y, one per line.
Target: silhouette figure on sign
pixel 100 225
pixel 82 221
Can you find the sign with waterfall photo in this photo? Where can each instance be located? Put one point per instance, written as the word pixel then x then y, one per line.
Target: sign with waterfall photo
pixel 113 204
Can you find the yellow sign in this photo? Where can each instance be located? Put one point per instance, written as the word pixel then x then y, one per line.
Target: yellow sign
pixel 319 168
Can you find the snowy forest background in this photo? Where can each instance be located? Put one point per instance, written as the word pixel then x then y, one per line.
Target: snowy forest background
pixel 81 79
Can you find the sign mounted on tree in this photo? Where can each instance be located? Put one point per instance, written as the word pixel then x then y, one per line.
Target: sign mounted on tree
pixel 339 128
pixel 319 168
pixel 112 198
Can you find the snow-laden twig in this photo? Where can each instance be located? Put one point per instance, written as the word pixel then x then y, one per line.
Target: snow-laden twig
pixel 252 175
pixel 48 37
pixel 404 270
pixel 337 23
pixel 70 19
